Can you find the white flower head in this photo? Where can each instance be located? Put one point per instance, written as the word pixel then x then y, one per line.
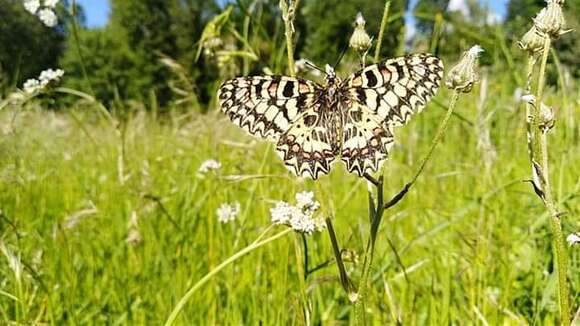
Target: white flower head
pixel 209 165
pixel 282 213
pixel 299 217
pixel 228 212
pixel 51 3
pixel 32 6
pixel 31 86
pixel 305 201
pixel 48 17
pixel 573 239
pixel 46 77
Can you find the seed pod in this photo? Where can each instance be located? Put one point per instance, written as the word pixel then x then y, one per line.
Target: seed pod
pixel 360 40
pixel 463 75
pixel 533 41
pixel 551 20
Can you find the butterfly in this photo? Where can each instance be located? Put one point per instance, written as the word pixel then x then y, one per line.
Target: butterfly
pixel 352 120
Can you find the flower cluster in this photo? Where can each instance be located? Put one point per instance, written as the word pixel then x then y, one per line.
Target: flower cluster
pixel 549 22
pixel 209 165
pixel 47 77
pixel 299 217
pixel 44 12
pixel 228 212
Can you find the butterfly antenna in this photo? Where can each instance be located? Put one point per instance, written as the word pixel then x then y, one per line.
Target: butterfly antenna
pixel 313 66
pixel 340 57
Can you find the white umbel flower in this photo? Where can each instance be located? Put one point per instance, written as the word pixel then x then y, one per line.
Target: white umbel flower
pixel 228 212
pixel 32 6
pixel 46 77
pixel 573 239
pixel 305 200
pixel 48 17
pixel 209 165
pixel 31 86
pixel 282 213
pixel 51 3
pixel 299 217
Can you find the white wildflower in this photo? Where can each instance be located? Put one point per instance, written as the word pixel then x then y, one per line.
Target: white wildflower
pixel 209 165
pixel 50 75
pixel 228 212
pixel 282 213
pixel 46 78
pixel 305 200
pixel 51 3
pixel 48 17
pixel 32 6
pixel 573 239
pixel 302 223
pixel 31 86
pixel 299 217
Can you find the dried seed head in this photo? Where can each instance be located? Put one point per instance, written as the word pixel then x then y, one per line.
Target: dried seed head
pixel 547 119
pixel 551 20
pixel 463 75
pixel 533 41
pixel 360 40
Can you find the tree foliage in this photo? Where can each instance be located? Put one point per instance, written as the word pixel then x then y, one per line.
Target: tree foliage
pixel 329 24
pixel 26 46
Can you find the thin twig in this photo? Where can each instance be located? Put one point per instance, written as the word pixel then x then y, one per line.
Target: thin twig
pixel 436 140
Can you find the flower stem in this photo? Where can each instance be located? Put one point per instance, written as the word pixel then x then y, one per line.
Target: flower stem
pixel 541 152
pixel 288 16
pixel 181 304
pixel 384 22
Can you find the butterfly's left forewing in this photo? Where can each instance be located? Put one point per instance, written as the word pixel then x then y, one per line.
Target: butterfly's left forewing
pixel 266 106
pixel 286 110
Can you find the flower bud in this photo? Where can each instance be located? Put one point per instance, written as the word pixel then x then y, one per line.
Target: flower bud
pixel 547 119
pixel 532 42
pixel 463 76
pixel 360 40
pixel 551 20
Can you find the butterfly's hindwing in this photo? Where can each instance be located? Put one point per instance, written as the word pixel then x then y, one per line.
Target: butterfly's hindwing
pixel 266 106
pixel 306 147
pixel 365 141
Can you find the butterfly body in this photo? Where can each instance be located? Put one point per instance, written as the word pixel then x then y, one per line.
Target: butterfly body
pixel 351 120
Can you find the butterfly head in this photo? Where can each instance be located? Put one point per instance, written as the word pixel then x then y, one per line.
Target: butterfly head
pixel 330 75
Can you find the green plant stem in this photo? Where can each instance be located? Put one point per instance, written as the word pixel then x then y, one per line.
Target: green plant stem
pixel 384 22
pixel 380 207
pixel 181 304
pixel 438 136
pixel 530 108
pixel 75 32
pixel 541 152
pixel 289 32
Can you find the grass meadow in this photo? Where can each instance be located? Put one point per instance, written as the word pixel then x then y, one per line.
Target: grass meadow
pixel 469 244
pixel 112 224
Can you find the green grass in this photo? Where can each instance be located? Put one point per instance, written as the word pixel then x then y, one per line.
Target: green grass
pixel 474 243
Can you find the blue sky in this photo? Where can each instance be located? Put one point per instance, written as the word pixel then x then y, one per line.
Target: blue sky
pixel 97 11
